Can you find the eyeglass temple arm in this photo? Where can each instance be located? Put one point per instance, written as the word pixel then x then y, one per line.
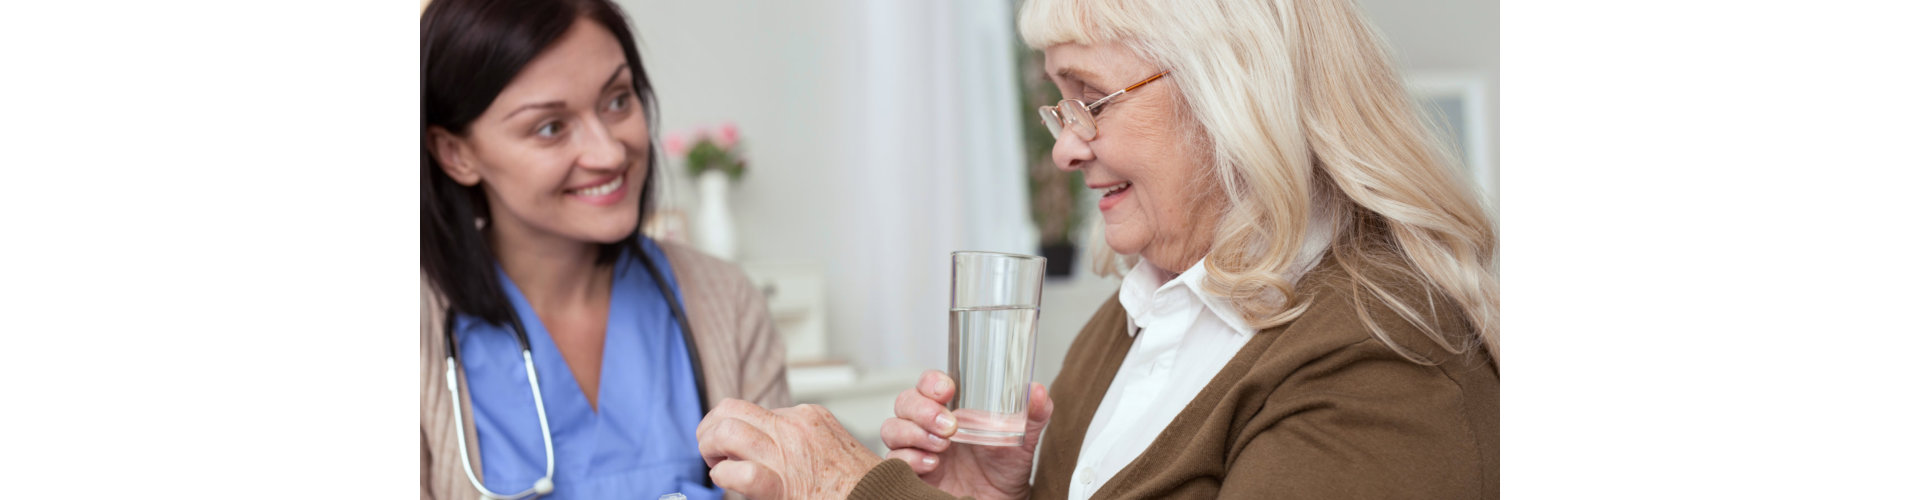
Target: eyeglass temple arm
pixel 1109 97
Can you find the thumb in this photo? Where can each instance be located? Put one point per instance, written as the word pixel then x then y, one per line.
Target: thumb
pixel 749 479
pixel 1039 409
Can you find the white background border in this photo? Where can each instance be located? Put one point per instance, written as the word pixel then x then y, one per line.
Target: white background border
pixel 211 278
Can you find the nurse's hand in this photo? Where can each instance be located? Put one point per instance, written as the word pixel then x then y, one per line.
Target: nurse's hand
pixel 922 426
pixel 798 453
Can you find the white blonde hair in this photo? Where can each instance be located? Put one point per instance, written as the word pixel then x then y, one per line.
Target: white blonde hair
pixel 1300 104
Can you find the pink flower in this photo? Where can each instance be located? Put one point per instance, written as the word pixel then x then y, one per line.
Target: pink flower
pixel 729 135
pixel 676 144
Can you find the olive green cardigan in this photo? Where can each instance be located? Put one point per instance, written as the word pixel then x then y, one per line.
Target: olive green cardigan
pixel 1315 409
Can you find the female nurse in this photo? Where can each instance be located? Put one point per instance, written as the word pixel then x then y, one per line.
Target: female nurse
pixel 563 354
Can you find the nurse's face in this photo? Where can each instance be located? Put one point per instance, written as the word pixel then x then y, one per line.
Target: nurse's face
pixel 562 150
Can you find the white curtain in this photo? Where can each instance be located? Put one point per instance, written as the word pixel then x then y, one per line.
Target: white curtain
pixel 942 161
pixel 882 136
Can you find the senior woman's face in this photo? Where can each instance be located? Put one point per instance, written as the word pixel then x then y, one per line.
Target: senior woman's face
pixel 562 150
pixel 1146 164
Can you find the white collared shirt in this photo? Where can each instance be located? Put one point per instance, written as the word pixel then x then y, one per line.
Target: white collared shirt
pixel 1182 338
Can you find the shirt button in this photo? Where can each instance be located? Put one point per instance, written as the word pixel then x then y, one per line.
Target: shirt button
pixel 1086 476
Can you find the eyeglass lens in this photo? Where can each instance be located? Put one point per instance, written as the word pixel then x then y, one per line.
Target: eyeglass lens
pixel 1070 114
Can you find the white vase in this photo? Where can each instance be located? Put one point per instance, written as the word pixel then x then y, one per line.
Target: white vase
pixel 714 233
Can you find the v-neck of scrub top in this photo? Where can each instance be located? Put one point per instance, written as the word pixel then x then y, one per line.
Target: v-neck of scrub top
pixel 640 444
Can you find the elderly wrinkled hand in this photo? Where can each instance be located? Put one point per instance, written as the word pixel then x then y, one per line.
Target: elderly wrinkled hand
pixel 798 453
pixel 921 430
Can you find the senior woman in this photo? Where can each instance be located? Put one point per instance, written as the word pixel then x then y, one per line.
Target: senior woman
pixel 1311 309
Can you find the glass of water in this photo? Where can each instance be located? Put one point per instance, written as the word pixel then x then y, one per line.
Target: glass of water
pixel 990 336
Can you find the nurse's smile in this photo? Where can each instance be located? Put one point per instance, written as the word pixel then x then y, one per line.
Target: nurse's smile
pixel 602 193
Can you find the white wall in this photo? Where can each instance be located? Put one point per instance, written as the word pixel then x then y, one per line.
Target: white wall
pixel 882 136
pixel 1450 37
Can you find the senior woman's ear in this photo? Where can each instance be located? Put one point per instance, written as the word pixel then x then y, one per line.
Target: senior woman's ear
pixel 452 153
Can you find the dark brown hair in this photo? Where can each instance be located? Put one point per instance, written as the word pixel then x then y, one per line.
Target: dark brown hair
pixel 469 51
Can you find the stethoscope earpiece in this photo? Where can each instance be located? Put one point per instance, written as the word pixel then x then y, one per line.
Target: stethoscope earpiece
pixel 543 486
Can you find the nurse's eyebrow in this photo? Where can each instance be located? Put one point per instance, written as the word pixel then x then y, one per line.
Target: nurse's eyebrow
pixel 616 76
pixel 558 104
pixel 537 105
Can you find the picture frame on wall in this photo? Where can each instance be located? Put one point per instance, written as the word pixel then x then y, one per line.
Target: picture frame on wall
pixel 1458 104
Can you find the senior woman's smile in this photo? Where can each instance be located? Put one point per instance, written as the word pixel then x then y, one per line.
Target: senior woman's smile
pixel 1111 194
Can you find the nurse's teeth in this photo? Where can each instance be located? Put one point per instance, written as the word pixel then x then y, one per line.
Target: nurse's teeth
pixel 1116 188
pixel 603 188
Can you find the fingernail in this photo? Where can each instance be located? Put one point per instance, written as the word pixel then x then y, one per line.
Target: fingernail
pixel 937 440
pixel 928 461
pixel 944 422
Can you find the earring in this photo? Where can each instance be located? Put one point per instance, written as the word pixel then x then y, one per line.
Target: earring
pixel 479 223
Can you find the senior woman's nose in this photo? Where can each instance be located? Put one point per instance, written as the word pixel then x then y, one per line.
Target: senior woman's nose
pixel 1069 152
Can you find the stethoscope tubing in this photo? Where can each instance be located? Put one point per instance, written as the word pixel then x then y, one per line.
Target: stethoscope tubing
pixel 533 381
pixel 546 432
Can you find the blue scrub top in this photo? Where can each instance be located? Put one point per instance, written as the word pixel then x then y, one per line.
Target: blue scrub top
pixel 640 444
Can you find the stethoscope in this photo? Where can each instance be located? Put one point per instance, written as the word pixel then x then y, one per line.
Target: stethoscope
pixel 545 484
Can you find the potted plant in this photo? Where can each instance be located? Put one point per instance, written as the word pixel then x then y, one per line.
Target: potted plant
pixel 714 158
pixel 715 150
pixel 1053 195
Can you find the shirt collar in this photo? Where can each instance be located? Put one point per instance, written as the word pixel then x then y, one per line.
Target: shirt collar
pixel 1137 290
pixel 1146 282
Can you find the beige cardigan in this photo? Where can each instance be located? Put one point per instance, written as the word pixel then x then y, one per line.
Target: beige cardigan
pixel 1313 409
pixel 741 357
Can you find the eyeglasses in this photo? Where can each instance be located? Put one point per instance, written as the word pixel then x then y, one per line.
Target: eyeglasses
pixel 1071 113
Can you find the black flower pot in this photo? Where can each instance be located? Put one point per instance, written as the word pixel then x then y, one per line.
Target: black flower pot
pixel 1059 259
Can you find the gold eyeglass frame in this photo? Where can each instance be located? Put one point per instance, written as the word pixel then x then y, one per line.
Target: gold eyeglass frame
pixel 1056 118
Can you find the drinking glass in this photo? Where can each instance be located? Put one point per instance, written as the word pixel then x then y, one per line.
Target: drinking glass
pixel 991 319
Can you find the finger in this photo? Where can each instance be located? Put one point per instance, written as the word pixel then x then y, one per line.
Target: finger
pixel 923 463
pixel 929 414
pixel 900 434
pixel 936 385
pixel 732 409
pixel 747 478
pixel 735 439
